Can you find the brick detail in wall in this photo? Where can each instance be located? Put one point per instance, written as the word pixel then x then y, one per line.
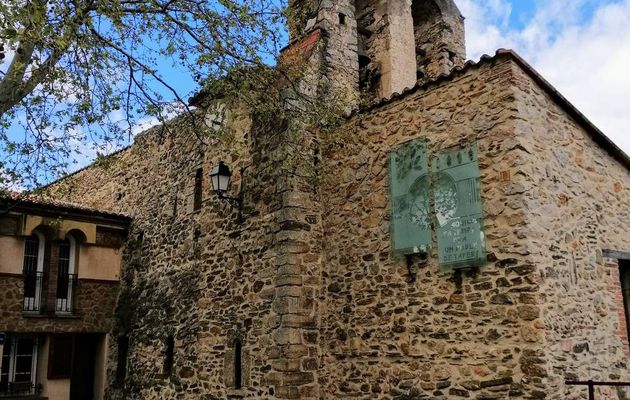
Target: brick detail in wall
pixel 51 290
pixel 617 293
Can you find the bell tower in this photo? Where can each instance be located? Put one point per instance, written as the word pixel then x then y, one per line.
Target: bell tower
pixel 439 37
pixel 378 47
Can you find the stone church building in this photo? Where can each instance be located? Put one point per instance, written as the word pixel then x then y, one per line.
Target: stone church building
pixel 366 283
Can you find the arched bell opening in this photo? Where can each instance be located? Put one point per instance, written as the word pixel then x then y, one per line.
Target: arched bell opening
pixel 439 37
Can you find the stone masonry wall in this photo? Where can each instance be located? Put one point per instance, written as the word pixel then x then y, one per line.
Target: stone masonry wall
pixel 577 203
pixel 306 281
pixel 204 276
pixel 475 334
pixel 94 301
pixel 193 274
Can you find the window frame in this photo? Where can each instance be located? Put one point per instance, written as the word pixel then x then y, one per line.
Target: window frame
pixel 33 304
pixel 12 342
pixel 59 302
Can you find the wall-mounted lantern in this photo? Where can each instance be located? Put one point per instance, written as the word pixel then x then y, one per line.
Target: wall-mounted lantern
pixel 221 178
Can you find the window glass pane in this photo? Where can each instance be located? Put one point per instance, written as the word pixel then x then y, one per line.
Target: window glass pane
pixel 63 269
pixel 4 375
pixel 31 252
pixel 24 360
pixel 30 283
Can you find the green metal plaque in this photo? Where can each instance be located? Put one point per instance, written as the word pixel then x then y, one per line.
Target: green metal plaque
pixel 458 208
pixel 409 188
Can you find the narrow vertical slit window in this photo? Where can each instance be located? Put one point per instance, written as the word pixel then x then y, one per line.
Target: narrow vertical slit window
pixel 121 362
pixel 238 364
pixel 198 194
pixel 169 355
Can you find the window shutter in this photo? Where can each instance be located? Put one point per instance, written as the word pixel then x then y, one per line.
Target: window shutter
pixel 60 356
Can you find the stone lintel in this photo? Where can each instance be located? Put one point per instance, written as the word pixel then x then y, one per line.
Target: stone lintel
pixel 617 255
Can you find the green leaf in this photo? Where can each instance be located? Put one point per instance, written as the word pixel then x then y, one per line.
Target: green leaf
pixel 9 33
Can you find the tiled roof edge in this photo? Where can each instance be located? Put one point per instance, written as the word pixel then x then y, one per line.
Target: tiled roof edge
pixel 61 207
pixel 422 84
pixel 600 137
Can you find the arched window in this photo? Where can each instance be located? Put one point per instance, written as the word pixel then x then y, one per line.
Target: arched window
pixel 66 274
pixel 33 271
pixel 439 37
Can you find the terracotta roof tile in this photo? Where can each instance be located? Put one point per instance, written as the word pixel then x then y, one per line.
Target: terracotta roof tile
pixel 21 200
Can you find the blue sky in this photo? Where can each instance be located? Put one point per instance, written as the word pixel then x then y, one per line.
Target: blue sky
pixel 581 46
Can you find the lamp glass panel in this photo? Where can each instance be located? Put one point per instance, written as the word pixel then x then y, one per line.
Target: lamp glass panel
pixel 215 182
pixel 224 183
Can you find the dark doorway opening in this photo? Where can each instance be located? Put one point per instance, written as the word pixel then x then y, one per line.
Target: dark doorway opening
pixel 83 367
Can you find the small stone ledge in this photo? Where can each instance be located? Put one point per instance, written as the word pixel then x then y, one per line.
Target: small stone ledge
pixel 66 316
pixel 34 315
pixel 617 255
pixel 236 393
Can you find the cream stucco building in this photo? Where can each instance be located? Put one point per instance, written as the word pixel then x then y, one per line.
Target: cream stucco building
pixel 59 279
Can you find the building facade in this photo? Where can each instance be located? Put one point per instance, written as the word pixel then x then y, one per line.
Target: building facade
pixel 297 291
pixel 59 279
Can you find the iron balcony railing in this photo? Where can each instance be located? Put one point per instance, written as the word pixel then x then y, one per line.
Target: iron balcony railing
pixel 33 282
pixel 66 293
pixel 13 389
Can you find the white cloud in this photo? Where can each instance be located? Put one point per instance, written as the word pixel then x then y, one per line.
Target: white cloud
pixel 587 59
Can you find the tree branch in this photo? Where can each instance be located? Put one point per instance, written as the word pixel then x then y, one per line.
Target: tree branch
pixel 133 60
pixel 14 89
